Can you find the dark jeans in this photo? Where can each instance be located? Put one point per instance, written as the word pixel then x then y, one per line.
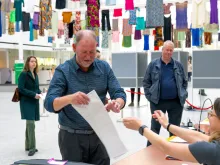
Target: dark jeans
pixel 174 110
pixel 189 76
pixel 105 13
pixel 132 94
pixel 85 148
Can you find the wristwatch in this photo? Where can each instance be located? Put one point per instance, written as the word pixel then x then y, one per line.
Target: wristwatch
pixel 141 129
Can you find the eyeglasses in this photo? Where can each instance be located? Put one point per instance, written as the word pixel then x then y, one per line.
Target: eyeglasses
pixel 210 114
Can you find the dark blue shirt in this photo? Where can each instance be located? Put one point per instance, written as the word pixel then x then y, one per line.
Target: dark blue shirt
pixel 168 81
pixel 69 79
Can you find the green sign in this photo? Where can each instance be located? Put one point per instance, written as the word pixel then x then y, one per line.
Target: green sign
pixel 18 67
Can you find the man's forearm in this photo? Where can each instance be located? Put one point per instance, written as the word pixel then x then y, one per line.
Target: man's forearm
pixel 61 102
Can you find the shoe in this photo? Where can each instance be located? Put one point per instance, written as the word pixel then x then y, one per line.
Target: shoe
pixel 131 104
pixel 138 104
pixel 36 150
pixel 202 92
pixel 31 152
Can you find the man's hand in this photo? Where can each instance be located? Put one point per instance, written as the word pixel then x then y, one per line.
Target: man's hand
pixel 37 96
pixel 79 98
pixel 114 106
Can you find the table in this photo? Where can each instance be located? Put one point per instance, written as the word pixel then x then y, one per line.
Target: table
pixel 150 156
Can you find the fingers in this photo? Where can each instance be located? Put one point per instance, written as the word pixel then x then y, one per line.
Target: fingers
pixel 80 98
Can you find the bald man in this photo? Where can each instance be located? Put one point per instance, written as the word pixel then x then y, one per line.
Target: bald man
pixel 165 87
pixel 71 82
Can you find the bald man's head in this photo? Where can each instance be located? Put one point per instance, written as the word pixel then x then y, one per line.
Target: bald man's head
pixel 88 34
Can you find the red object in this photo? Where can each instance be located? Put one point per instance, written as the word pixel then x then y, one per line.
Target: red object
pixel 117 12
pixel 139 93
pixel 156 47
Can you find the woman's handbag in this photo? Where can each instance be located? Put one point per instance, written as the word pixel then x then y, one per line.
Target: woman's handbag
pixel 16 97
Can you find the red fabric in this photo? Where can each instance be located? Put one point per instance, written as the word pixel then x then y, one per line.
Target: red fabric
pixel 156 47
pixel 117 12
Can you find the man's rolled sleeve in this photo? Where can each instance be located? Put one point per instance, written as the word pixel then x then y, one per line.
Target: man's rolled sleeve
pixel 56 89
pixel 114 88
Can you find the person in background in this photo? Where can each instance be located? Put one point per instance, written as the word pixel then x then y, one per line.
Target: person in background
pixel 189 69
pixel 70 85
pixel 200 148
pixel 132 97
pixel 30 93
pixel 98 55
pixel 165 87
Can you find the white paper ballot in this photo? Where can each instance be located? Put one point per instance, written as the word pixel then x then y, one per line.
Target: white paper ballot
pixel 97 116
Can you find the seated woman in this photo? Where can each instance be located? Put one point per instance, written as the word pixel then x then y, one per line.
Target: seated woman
pixel 201 148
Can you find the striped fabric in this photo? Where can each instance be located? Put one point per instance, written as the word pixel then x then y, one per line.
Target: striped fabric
pixel 69 79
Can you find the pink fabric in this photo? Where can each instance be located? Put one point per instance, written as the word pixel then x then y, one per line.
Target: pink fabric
pixel 117 12
pixel 129 5
pixel 60 25
pixel 115 36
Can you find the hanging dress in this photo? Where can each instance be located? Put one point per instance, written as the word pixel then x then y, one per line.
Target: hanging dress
pixel 45 16
pixel 154 13
pixel 181 15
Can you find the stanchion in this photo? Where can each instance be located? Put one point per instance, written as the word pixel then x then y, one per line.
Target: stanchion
pixel 44 114
pixel 122 115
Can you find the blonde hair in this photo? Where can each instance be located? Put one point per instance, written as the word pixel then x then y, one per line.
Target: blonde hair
pixel 215 136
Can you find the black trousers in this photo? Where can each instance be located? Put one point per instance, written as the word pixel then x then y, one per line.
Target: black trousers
pixel 174 110
pixel 132 95
pixel 105 13
pixel 86 148
pixel 189 76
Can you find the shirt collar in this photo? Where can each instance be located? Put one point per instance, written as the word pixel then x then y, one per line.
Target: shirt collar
pixel 77 67
pixel 171 61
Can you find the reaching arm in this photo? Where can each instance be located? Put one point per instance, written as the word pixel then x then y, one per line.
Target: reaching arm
pixel 186 134
pixel 115 91
pixel 176 150
pixel 179 151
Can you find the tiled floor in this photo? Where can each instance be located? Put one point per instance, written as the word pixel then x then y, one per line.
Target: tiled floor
pixel 12 129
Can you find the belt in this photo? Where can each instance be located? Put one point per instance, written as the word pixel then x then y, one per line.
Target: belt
pixel 76 131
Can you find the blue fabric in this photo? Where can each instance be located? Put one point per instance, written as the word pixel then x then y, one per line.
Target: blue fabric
pixel 151 82
pixel 110 2
pixel 69 79
pixel 146 42
pixel 168 82
pixel 17 27
pixel 50 39
pixel 0 24
pixel 197 37
pixel 31 30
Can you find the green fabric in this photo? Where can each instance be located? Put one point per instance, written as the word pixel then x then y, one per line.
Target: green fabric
pixel 126 41
pixel 30 141
pixel 181 36
pixel 28 88
pixel 12 16
pixel 83 24
pixel 18 9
